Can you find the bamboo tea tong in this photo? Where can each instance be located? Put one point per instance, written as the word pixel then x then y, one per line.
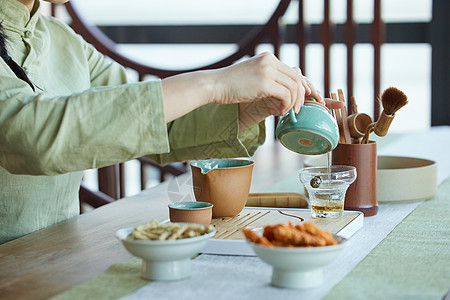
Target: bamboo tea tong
pixel 392 100
pixel 340 115
pixel 352 105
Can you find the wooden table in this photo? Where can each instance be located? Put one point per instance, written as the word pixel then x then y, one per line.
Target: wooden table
pixel 50 261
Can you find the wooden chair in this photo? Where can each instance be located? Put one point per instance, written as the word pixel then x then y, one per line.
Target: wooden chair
pixel 92 198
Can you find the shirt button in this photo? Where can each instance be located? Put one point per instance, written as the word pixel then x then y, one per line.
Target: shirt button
pixel 28 34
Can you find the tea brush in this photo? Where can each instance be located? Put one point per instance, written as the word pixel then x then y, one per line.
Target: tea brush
pixel 392 100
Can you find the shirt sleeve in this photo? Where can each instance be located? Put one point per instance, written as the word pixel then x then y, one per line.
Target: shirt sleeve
pixel 48 135
pixel 106 120
pixel 104 71
pixel 211 131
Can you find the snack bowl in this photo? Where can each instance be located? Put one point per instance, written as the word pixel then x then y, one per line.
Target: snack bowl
pixel 298 267
pixel 191 212
pixel 164 260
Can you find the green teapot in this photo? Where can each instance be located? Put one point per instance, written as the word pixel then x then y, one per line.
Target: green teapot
pixel 313 130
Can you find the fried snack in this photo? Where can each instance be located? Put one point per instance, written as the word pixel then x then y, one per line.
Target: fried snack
pixel 289 235
pixel 168 231
pixel 268 232
pixel 255 238
pixel 282 235
pixel 317 231
pixel 251 235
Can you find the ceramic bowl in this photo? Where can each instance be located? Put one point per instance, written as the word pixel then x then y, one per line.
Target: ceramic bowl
pixel 164 260
pixel 399 178
pixel 298 267
pixel 225 183
pixel 191 212
pixel 312 130
pixel 402 179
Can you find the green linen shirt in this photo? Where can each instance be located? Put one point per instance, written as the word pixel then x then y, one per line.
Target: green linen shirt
pixel 85 114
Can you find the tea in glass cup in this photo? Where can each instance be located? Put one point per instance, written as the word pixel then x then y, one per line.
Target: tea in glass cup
pixel 326 187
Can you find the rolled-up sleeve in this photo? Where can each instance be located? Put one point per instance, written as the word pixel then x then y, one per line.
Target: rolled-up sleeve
pixel 210 131
pixel 45 135
pixel 92 116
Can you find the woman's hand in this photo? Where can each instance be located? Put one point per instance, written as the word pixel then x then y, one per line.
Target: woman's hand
pixel 262 85
pixel 315 94
pixel 263 79
pixel 256 110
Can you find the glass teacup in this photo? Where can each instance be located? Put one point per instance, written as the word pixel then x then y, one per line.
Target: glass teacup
pixel 326 187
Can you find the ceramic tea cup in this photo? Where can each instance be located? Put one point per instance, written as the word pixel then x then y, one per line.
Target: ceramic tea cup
pixel 225 183
pixel 191 212
pixel 312 130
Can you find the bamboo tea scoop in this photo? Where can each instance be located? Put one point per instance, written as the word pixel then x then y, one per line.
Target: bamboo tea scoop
pixel 358 123
pixel 392 100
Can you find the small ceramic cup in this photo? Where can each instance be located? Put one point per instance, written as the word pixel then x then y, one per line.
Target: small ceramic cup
pixel 313 130
pixel 223 182
pixel 191 212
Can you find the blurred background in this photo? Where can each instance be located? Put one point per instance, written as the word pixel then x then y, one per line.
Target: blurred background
pixel 401 43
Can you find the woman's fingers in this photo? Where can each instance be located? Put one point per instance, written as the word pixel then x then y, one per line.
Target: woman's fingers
pixel 314 92
pixel 304 81
pixel 310 89
pixel 333 104
pixel 301 99
pixel 298 92
pixel 290 78
pixel 264 77
pixel 291 86
pixel 280 98
pixel 296 74
pixel 290 92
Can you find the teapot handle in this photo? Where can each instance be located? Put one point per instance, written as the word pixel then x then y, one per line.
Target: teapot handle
pixel 292 116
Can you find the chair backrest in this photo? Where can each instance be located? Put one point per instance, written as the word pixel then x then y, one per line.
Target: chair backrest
pixel 246 45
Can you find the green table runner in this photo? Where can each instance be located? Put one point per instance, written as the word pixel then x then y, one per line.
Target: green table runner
pixel 412 262
pixel 117 281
